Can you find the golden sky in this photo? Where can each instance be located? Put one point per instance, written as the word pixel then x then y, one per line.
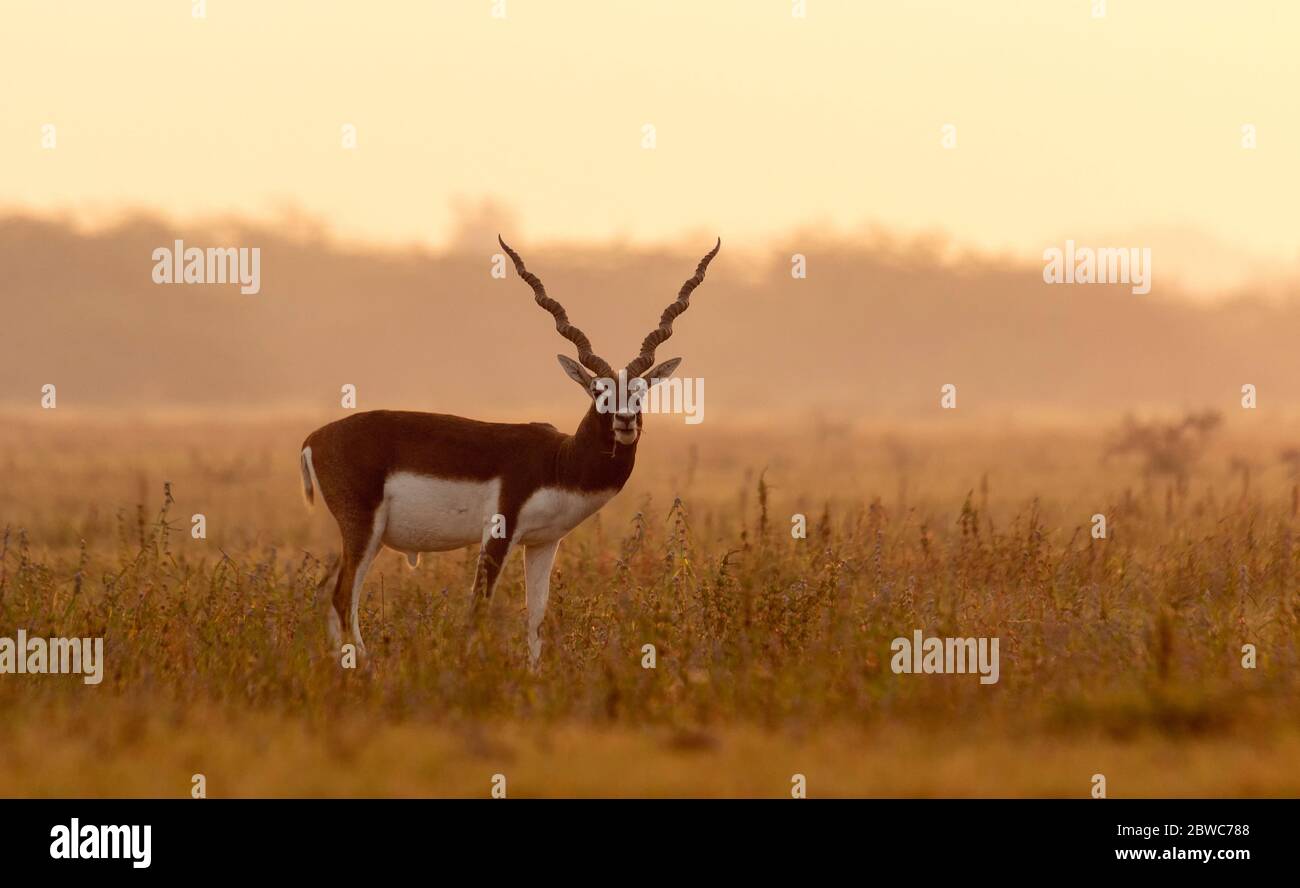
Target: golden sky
pixel 1121 129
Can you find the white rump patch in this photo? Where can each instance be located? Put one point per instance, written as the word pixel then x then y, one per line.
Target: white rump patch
pixel 310 486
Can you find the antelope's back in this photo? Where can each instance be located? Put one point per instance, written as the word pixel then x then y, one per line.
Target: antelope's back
pixel 354 456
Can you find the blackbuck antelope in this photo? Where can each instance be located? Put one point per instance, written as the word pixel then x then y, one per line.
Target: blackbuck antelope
pixel 428 482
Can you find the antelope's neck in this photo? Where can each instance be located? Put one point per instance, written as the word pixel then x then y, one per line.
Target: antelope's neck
pixel 591 461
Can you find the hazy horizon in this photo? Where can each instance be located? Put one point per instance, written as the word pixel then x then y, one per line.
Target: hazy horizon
pixel 874 330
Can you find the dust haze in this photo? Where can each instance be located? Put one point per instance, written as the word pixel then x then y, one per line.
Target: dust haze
pixel 878 325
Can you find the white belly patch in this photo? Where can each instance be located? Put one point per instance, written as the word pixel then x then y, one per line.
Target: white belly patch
pixel 428 514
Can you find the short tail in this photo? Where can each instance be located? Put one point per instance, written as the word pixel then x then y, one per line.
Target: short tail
pixel 309 483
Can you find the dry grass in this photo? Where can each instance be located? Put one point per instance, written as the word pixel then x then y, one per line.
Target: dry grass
pixel 1119 655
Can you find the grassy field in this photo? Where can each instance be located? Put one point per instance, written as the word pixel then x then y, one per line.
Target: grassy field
pixel 1120 656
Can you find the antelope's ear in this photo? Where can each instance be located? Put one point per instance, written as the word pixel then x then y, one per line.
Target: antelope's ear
pixel 658 374
pixel 576 372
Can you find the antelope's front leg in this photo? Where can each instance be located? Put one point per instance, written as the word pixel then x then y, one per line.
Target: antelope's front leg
pixel 538 560
pixel 491 558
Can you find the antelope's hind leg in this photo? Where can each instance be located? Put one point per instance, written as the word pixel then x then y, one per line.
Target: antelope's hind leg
pixel 361 542
pixel 333 626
